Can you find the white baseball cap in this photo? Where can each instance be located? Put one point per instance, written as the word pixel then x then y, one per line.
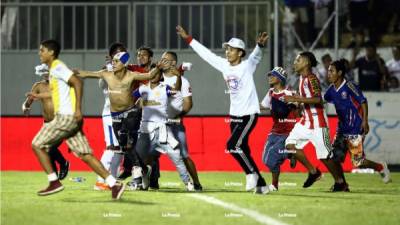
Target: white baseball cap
pixel 235 43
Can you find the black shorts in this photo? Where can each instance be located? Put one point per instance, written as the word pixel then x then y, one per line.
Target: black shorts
pixel 126 125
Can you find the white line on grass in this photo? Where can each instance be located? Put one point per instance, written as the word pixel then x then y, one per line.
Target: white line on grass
pixel 264 219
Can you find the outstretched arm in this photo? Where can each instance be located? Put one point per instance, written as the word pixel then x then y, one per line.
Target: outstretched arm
pixel 256 54
pixel 89 74
pixel 205 53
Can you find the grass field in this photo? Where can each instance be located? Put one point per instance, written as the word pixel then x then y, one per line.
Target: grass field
pixel 222 202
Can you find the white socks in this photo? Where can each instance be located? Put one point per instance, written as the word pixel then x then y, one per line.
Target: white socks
pixel 52 177
pixel 110 180
pixel 106 161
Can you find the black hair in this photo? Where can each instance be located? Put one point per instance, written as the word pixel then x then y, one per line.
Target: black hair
pixel 369 44
pixel 173 54
pixel 114 47
pixel 145 48
pixel 311 58
pixel 52 45
pixel 340 65
pixel 325 57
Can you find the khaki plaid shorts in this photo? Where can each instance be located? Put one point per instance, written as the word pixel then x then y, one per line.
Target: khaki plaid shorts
pixel 60 128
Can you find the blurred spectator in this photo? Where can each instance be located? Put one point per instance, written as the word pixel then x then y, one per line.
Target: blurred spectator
pixel 301 9
pixel 323 71
pixel 393 66
pixel 393 84
pixel 349 74
pixel 322 9
pixel 359 21
pixel 372 72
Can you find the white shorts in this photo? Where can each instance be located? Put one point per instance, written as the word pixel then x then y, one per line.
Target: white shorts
pixel 109 136
pixel 319 137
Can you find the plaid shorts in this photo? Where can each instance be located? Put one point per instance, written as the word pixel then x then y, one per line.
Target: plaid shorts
pixel 60 128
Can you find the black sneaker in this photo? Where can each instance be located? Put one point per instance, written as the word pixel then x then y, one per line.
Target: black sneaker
pixel 198 187
pixel 292 160
pixel 312 178
pixel 340 187
pixel 154 184
pixel 124 175
pixel 63 171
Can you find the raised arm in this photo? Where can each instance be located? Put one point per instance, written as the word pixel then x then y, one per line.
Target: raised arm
pixel 89 74
pixel 211 58
pixel 256 54
pixel 144 76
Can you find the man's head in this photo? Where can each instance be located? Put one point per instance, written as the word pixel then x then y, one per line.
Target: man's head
pixel 337 71
pixel 396 52
pixel 115 48
pixel 326 60
pixel 144 56
pixel 304 61
pixel 234 50
pixel 277 76
pixel 120 61
pixel 49 50
pixel 370 50
pixel 171 59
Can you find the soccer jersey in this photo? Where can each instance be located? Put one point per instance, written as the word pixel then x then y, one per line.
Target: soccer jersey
pixel 274 100
pixel 175 103
pixel 155 102
pixel 63 95
pixel 347 100
pixel 238 78
pixel 314 115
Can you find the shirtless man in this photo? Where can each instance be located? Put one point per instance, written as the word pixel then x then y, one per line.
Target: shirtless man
pixel 122 106
pixel 41 91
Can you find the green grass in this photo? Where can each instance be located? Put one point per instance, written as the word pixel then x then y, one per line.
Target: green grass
pixel 369 202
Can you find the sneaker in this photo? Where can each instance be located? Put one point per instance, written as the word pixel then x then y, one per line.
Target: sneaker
pixel 293 161
pixel 263 190
pixel 63 171
pixel 385 174
pixel 100 186
pixel 154 184
pixel 340 187
pixel 54 187
pixel 251 181
pixel 146 178
pixel 134 185
pixel 190 186
pixel 124 175
pixel 312 178
pixel 198 187
pixel 272 188
pixel 117 190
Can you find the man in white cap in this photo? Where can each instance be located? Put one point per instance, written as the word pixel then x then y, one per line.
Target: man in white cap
pixel 244 107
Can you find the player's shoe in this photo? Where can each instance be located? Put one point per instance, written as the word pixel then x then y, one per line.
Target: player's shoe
pixel 54 187
pixel 272 188
pixel 189 186
pixel 198 187
pixel 385 174
pixel 100 186
pixel 63 171
pixel 154 184
pixel 312 178
pixel 262 190
pixel 134 185
pixel 342 187
pixel 251 181
pixel 117 190
pixel 146 178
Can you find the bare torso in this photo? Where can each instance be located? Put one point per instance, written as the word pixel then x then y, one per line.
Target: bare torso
pixel 120 91
pixel 47 104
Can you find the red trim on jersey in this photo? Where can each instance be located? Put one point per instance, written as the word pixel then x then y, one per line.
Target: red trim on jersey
pixel 357 105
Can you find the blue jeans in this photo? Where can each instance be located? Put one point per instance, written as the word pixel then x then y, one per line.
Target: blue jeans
pixel 274 152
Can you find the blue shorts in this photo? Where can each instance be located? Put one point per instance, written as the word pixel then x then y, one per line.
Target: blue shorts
pixel 180 134
pixel 274 152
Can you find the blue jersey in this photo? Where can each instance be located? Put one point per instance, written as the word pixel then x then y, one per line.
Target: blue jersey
pixel 347 100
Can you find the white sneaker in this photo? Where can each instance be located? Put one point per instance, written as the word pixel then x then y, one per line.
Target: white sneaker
pixel 251 181
pixel 272 188
pixel 385 174
pixel 262 190
pixel 190 186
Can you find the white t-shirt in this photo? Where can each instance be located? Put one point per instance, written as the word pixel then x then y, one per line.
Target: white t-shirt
pixel 63 95
pixel 239 79
pixel 393 67
pixel 175 103
pixel 155 102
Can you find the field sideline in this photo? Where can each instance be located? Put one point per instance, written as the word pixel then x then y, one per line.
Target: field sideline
pixel 222 202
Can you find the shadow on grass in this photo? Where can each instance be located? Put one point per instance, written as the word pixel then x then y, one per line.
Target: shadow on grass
pixel 94 201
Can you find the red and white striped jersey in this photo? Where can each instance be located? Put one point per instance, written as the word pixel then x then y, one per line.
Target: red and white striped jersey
pixel 314 115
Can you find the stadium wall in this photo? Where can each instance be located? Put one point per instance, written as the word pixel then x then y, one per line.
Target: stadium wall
pixel 206 140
